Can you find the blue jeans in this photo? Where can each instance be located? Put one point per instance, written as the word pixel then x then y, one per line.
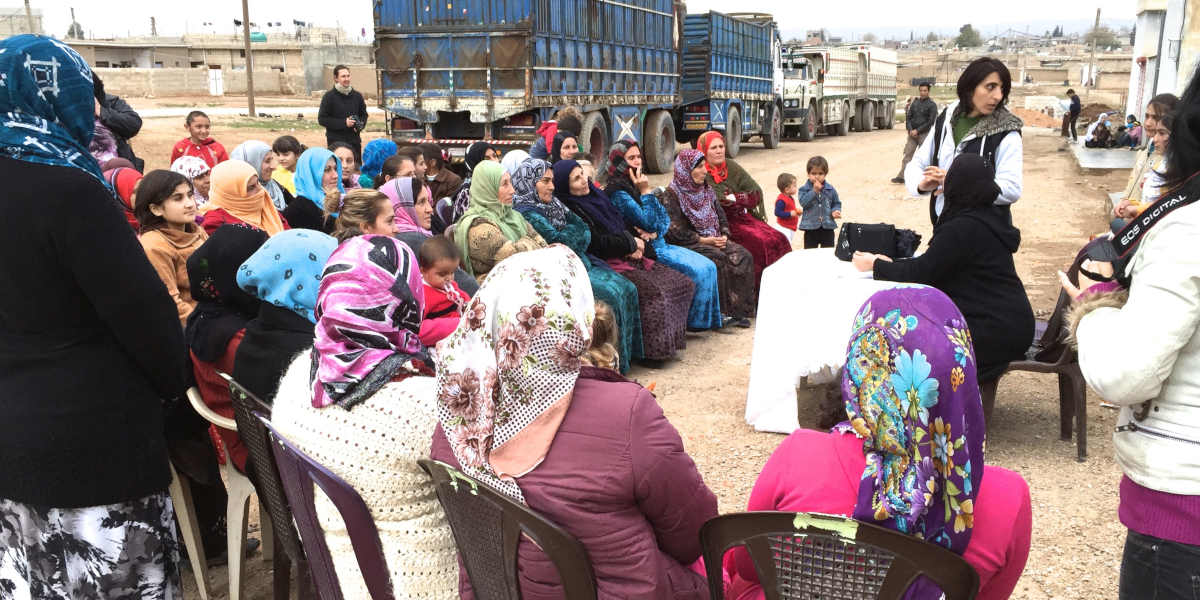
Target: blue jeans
pixel 1157 569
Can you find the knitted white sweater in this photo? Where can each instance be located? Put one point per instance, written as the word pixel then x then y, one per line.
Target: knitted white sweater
pixel 375 447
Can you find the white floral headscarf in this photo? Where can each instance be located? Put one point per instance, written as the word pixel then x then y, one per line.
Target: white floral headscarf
pixel 506 374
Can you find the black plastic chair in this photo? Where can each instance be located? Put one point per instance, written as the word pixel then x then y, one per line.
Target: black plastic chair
pixel 488 526
pixel 265 476
pixel 810 555
pixel 299 473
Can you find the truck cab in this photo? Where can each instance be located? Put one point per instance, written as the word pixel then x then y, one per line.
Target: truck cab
pixel 803 76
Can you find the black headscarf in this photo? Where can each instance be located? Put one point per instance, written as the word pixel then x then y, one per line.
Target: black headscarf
pixel 969 185
pixel 222 308
pixel 475 154
pixel 594 205
pixel 556 149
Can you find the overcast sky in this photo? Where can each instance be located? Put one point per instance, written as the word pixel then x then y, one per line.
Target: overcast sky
pixel 106 18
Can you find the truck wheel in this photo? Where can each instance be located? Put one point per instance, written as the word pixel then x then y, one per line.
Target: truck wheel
pixel 659 138
pixel 867 123
pixel 842 127
pixel 733 132
pixel 772 135
pixel 593 140
pixel 890 121
pixel 808 129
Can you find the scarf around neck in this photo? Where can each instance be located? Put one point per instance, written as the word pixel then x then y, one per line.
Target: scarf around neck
pixel 697 200
pixel 526 200
pixel 343 89
pixel 253 152
pixel 595 205
pixel 507 373
pixel 229 191
pixel 719 172
pixel 368 313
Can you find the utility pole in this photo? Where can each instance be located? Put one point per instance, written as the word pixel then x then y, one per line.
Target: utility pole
pixel 153 27
pixel 1092 62
pixel 249 57
pixel 29 17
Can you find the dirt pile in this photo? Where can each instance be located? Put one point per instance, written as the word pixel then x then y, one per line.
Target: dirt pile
pixel 1034 118
pixel 1091 111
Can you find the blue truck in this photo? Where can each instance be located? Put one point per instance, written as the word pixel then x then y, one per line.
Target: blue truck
pixel 457 71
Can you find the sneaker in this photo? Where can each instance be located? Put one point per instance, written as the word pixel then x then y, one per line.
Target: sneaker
pixel 897 180
pixel 743 322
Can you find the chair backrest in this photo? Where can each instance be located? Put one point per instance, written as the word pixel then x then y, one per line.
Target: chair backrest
pixel 262 470
pixel 487 527
pixel 810 555
pixel 299 473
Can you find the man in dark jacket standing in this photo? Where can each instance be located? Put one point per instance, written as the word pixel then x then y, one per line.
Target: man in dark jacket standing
pixel 343 112
pixel 917 120
pixel 1073 114
pixel 120 118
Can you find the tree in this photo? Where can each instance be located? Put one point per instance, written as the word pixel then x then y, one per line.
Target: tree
pixel 1102 36
pixel 968 37
pixel 932 37
pixel 870 38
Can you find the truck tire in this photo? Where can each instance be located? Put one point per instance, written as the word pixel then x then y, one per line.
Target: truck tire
pixel 593 140
pixel 658 136
pixel 842 127
pixel 808 129
pixel 774 129
pixel 733 132
pixel 890 121
pixel 867 123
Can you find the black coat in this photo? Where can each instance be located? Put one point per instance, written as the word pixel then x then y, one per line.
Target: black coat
pixel 90 346
pixel 970 258
pixel 920 115
pixel 124 122
pixel 301 213
pixel 272 340
pixel 335 107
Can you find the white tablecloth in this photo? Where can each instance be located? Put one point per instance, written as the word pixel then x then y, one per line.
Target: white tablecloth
pixel 806 307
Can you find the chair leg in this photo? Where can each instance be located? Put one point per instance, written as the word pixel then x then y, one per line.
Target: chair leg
pixel 185 512
pixel 987 392
pixel 1066 405
pixel 267 530
pixel 1079 391
pixel 236 515
pixel 282 582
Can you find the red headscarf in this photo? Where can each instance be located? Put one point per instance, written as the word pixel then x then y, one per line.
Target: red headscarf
pixel 719 172
pixel 124 180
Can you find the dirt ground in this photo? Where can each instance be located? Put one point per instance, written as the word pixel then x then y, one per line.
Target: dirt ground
pixel 1077 539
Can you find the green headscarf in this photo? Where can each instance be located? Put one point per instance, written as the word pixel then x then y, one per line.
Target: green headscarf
pixel 485 204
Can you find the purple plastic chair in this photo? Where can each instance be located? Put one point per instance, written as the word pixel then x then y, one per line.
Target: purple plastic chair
pixel 299 473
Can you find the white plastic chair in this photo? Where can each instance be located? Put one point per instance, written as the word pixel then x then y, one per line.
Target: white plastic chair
pixel 237 510
pixel 185 512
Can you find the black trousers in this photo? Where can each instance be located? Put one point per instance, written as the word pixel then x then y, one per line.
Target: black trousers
pixel 1159 569
pixel 818 238
pixel 1071 126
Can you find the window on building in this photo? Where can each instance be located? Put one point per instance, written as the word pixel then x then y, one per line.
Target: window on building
pixel 103 64
pixel 242 53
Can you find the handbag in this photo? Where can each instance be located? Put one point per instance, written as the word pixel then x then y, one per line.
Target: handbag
pixel 877 238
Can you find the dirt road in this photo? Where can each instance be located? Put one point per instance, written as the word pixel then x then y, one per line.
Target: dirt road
pixel 1077 539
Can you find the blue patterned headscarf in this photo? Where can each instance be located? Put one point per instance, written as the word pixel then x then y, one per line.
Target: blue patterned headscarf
pixel 911 393
pixel 374 154
pixel 286 271
pixel 310 169
pixel 47 104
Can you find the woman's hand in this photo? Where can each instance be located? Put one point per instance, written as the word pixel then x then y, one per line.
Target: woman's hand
pixel 1072 291
pixel 640 181
pixel 641 248
pixel 715 242
pixel 728 200
pixel 645 235
pixel 865 261
pixel 933 179
pixel 837 214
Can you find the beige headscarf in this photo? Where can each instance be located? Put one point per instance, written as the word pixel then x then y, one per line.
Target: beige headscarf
pixel 228 191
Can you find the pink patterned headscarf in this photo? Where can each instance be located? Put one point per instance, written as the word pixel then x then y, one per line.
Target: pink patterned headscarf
pixel 697 200
pixel 400 192
pixel 368 313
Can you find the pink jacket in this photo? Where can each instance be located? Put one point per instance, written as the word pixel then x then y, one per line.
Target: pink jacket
pixel 618 479
pixel 814 471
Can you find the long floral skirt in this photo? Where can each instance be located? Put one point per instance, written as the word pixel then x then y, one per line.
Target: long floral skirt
pixel 665 296
pixel 116 551
pixel 765 244
pixel 705 312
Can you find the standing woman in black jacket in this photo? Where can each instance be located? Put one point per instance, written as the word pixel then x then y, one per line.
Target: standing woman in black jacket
pixel 343 112
pixel 90 347
pixel 970 258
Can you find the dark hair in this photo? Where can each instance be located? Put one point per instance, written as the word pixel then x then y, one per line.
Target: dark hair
pixel 1162 104
pixel 286 143
pixel 570 119
pixel 338 69
pixel 434 249
pixel 924 84
pixel 581 156
pixel 1183 122
pixel 1071 92
pixel 786 179
pixel 359 207
pixel 817 162
pixel 390 167
pixel 412 152
pixel 831 406
pixel 433 154
pixel 974 74
pixel 154 189
pixel 195 114
pixel 336 145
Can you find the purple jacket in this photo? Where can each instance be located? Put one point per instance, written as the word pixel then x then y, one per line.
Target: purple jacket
pixel 618 479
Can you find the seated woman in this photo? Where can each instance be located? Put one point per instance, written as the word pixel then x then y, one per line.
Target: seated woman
pixel 237 197
pixel 742 200
pixel 374 154
pixel 664 294
pixel 260 156
pixel 491 231
pixel 124 181
pixel 477 153
pixel 698 224
pixel 284 274
pixel 413 209
pixel 318 183
pixel 590 450
pixel 907 342
pixel 167 219
pixel 629 190
pixel 216 326
pixel 970 258
pixel 363 403
pixel 534 199
pixel 565 145
pixel 349 165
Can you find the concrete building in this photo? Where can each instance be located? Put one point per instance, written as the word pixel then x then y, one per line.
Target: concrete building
pixel 1166 51
pixel 14 21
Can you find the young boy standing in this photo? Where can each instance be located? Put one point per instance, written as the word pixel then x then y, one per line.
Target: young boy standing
pixel 787 214
pixel 819 204
pixel 198 143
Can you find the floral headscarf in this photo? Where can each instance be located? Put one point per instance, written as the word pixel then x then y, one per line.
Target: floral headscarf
pixel 911 394
pixel 526 199
pixel 286 271
pixel 719 172
pixel 400 191
pixel 506 374
pixel 193 167
pixel 368 313
pixel 698 200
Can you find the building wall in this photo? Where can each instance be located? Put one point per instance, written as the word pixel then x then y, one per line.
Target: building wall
pixel 362 78
pixel 194 82
pixel 316 58
pixel 14 22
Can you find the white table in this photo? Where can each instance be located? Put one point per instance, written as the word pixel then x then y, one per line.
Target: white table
pixel 806 308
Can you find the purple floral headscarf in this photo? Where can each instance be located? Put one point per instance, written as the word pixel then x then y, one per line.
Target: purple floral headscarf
pixel 698 200
pixel 368 313
pixel 911 394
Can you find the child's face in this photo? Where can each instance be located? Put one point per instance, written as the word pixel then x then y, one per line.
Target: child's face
pixel 385 220
pixel 440 273
pixel 793 187
pixel 179 209
pixel 345 155
pixel 287 160
pixel 419 167
pixel 198 129
pixel 201 183
pixel 817 176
